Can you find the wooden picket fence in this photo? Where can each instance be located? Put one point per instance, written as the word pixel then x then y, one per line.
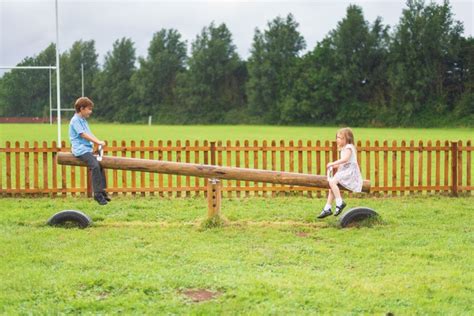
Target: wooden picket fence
pixel 441 167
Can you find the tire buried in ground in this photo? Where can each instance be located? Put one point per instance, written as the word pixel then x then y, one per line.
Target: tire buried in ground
pixel 355 215
pixel 70 217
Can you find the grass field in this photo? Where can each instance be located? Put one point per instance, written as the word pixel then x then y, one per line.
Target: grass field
pixel 143 254
pixel 109 132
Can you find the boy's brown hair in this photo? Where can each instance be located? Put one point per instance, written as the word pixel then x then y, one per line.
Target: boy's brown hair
pixel 348 135
pixel 83 102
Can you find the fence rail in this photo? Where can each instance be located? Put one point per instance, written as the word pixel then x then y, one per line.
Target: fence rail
pixel 440 167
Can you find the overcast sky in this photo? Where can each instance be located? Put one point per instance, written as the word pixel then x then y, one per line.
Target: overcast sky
pixel 27 27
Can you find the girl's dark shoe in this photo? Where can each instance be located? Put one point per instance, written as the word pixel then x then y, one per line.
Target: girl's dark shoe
pixel 325 213
pixel 106 196
pixel 340 208
pixel 99 197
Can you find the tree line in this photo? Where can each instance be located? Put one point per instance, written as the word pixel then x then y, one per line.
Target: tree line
pixel 361 74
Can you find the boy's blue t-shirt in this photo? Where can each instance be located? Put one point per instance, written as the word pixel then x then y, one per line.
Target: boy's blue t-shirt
pixel 77 126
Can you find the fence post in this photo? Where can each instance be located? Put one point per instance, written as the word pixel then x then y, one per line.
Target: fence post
pixel 214 197
pixel 213 153
pixel 454 168
pixel 89 182
pixel 334 151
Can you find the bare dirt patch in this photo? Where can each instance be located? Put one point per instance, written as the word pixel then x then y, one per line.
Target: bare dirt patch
pixel 200 295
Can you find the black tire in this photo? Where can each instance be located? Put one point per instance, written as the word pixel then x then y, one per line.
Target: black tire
pixel 355 215
pixel 76 217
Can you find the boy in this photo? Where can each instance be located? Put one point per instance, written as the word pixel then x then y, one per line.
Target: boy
pixel 81 142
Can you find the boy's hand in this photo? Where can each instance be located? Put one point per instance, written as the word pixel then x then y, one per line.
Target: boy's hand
pixel 101 143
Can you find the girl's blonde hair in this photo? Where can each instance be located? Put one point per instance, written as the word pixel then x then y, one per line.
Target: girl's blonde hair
pixel 348 135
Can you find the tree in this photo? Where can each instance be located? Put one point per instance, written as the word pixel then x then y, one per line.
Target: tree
pixel 274 55
pixel 26 92
pixel 212 86
pixel 155 81
pixel 425 44
pixel 81 53
pixel 114 88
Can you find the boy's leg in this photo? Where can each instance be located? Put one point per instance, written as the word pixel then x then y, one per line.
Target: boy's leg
pixel 103 179
pixel 104 184
pixel 97 175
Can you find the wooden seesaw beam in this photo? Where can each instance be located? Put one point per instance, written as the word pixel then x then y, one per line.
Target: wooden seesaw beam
pixel 207 171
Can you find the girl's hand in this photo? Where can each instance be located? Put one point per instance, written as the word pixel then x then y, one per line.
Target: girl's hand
pixel 330 165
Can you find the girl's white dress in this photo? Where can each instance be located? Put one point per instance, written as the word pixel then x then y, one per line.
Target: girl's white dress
pixel 348 174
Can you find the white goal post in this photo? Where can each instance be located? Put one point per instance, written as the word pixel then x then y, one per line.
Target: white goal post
pixel 58 81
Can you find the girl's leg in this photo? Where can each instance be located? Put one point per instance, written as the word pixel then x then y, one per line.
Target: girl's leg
pixel 340 205
pixel 330 197
pixel 334 189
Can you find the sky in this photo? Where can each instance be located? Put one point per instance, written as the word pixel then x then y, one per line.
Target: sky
pixel 28 27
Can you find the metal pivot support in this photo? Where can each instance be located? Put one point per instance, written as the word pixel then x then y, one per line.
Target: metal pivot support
pixel 214 194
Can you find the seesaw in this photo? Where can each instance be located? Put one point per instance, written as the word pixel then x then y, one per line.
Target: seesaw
pixel 214 174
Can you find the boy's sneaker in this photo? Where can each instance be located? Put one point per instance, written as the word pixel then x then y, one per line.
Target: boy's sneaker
pixel 106 196
pixel 99 197
pixel 340 208
pixel 325 213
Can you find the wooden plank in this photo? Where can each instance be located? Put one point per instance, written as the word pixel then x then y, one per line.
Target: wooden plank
pixel 454 168
pixel 63 174
pixel 428 165
pixel 469 162
pixel 228 164
pixel 27 166
pixel 237 164
pixel 318 162
pixel 394 168
pixel 376 167
pixel 255 165
pixel 412 165
pixel 437 165
pixel 133 154
pixel 142 175
pixel 169 157
pixel 420 165
pixel 385 166
pixel 160 176
pixel 17 167
pixel 282 161
pixel 367 161
pixel 178 159
pixel 246 164
pixel 300 160
pixel 402 169
pixel 274 164
pixel 54 170
pixel 206 153
pixel 459 164
pixel 114 172
pixel 8 170
pixel 35 166
pixel 264 165
pixel 124 172
pixel 207 171
pixel 309 164
pixel 196 160
pixel 187 158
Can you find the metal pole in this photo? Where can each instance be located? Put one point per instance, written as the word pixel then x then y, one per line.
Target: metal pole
pixel 58 82
pixel 50 101
pixel 82 77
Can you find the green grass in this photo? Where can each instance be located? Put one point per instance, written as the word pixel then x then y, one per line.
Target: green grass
pixel 271 258
pixel 110 132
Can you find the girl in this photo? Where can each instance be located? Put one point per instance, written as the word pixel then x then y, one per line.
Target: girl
pixel 348 173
